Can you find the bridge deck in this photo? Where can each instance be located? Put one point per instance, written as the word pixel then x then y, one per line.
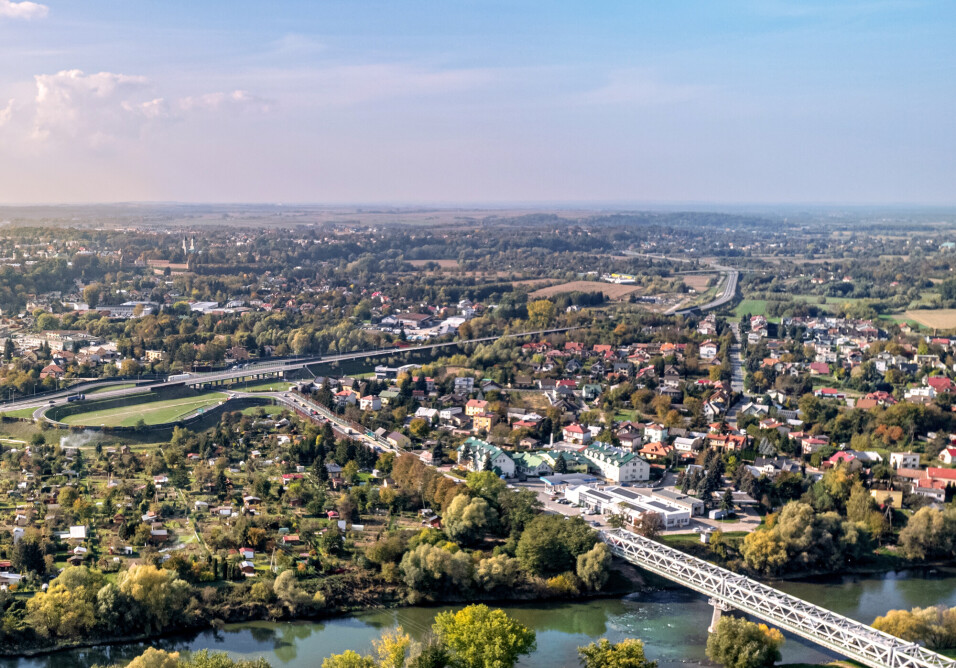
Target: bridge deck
pixel 848 637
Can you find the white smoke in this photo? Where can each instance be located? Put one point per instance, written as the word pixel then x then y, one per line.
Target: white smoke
pixel 76 439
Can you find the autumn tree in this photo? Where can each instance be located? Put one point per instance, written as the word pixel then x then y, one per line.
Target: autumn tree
pixel 739 643
pixel 541 312
pixel 629 653
pixel 479 637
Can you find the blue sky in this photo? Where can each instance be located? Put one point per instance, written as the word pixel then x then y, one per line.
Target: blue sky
pixel 552 102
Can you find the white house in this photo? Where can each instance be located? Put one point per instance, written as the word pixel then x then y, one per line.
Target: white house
pixel 575 433
pixel 947 456
pixel 617 465
pixel 655 432
pixel 370 403
pixel 464 385
pixel 477 455
pixel 708 350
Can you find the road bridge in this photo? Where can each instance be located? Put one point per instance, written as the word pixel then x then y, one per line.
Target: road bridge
pixel 263 369
pixel 727 590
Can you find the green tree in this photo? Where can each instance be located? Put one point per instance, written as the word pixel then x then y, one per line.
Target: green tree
pixel 498 572
pixel 479 637
pixel 738 643
pixel 286 588
pixel 467 519
pixel 486 485
pixel 159 594
pixel 929 534
pixel 628 653
pixel 550 544
pixel 349 659
pixel 764 551
pixel 860 504
pixel 429 568
pixel 593 566
pixel 541 312
pixel 518 508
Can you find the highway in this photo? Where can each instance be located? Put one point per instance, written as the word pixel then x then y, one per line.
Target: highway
pixel 730 283
pixel 255 369
pixel 726 295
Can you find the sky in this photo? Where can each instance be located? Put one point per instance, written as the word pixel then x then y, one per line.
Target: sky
pixel 460 102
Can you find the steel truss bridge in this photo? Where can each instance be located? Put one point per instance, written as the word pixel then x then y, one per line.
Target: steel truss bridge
pixel 727 590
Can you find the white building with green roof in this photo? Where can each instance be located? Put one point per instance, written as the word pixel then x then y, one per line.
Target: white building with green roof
pixel 478 455
pixel 531 464
pixel 617 465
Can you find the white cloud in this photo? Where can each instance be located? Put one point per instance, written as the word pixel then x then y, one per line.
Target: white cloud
pixel 98 108
pixel 6 113
pixel 237 99
pixel 77 105
pixel 22 10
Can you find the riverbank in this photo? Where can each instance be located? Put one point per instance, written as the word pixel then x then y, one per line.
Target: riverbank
pixel 625 579
pixel 671 620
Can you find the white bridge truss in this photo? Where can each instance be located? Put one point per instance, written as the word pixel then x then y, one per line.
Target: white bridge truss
pixel 727 589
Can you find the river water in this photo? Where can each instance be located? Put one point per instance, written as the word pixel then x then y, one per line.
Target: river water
pixel 670 620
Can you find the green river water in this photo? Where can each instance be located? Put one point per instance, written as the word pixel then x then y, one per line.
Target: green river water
pixel 670 620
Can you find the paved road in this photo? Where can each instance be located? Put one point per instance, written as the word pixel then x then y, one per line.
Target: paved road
pixel 726 295
pixel 730 284
pixel 260 368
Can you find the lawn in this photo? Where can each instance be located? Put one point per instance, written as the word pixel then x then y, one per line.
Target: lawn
pixel 263 385
pixel 155 412
pixel 110 388
pixel 26 413
pixel 751 306
pixel 271 411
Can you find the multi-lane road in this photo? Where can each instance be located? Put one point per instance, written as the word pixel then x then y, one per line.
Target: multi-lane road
pixel 730 289
pixel 730 275
pixel 254 369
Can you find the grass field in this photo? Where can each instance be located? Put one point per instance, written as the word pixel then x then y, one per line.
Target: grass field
pixel 263 385
pixel 20 413
pixel 156 412
pixel 751 306
pixel 934 319
pixel 610 290
pixel 109 388
pixel 271 411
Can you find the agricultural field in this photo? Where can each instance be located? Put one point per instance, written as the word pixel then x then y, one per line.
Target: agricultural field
pixel 156 412
pixel 444 264
pixel 612 291
pixel 698 282
pixel 934 319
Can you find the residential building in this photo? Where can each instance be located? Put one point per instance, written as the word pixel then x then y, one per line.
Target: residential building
pixel 477 455
pixel 904 460
pixel 577 434
pixel 617 465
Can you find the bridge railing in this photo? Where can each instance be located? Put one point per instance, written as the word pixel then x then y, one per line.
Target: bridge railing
pixel 836 632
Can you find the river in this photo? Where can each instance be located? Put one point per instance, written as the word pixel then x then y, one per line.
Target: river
pixel 671 621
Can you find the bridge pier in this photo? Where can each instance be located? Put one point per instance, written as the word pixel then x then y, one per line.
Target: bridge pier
pixel 719 608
